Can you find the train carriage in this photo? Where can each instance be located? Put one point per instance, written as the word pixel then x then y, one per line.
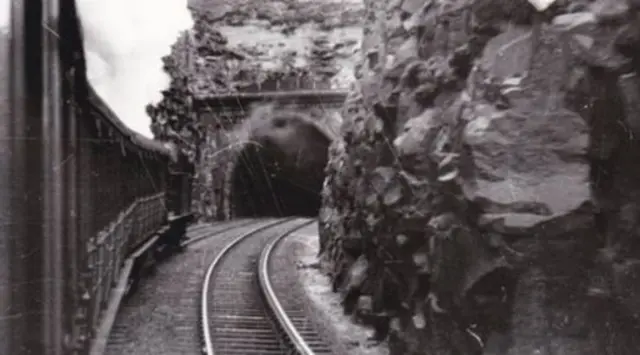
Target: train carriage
pixel 85 197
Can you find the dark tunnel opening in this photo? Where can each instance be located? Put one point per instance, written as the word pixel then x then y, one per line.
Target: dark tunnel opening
pixel 282 173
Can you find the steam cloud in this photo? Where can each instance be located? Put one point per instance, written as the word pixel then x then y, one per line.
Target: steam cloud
pixel 124 43
pixel 5 10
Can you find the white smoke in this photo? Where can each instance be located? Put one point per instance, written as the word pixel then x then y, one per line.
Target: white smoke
pixel 124 43
pixel 5 10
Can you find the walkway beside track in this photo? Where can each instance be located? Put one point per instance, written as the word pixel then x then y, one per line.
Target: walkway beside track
pixel 162 317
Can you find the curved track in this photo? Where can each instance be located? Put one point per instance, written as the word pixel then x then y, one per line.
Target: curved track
pixel 218 298
pixel 235 319
pixel 162 317
pixel 199 232
pixel 287 302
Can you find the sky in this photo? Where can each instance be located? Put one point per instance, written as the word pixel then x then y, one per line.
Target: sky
pixel 4 13
pixel 124 43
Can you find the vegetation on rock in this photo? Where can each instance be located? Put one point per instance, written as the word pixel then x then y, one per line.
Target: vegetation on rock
pixel 496 216
pixel 322 59
pixel 285 14
pixel 203 63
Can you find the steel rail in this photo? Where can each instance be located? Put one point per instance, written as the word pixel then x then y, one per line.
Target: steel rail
pixel 206 285
pixel 270 295
pixel 202 232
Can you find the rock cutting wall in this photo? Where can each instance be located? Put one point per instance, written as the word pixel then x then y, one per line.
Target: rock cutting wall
pixel 482 199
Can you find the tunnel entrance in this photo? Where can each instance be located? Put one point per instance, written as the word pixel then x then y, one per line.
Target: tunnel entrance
pixel 282 174
pixel 264 186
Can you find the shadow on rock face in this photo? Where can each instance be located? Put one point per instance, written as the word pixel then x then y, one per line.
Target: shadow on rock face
pixel 281 172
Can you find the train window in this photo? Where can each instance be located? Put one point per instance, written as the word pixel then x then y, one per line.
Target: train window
pixel 75 179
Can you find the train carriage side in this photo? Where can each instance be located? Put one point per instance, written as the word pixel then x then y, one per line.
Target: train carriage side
pixel 87 192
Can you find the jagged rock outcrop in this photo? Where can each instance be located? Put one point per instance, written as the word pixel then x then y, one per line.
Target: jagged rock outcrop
pixel 322 58
pixel 482 199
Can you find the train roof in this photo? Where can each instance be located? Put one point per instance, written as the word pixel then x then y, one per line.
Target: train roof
pixel 100 111
pixel 133 138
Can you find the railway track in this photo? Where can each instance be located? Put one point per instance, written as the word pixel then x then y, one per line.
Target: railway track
pixel 214 298
pixel 288 303
pixel 238 316
pixel 199 232
pixel 162 317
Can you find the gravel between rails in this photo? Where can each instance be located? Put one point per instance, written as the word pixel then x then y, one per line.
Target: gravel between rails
pixel 162 318
pixel 201 231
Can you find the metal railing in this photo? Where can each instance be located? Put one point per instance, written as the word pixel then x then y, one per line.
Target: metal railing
pixel 107 250
pixel 85 190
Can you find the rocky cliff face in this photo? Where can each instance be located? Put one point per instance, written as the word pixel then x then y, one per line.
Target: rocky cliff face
pixel 482 199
